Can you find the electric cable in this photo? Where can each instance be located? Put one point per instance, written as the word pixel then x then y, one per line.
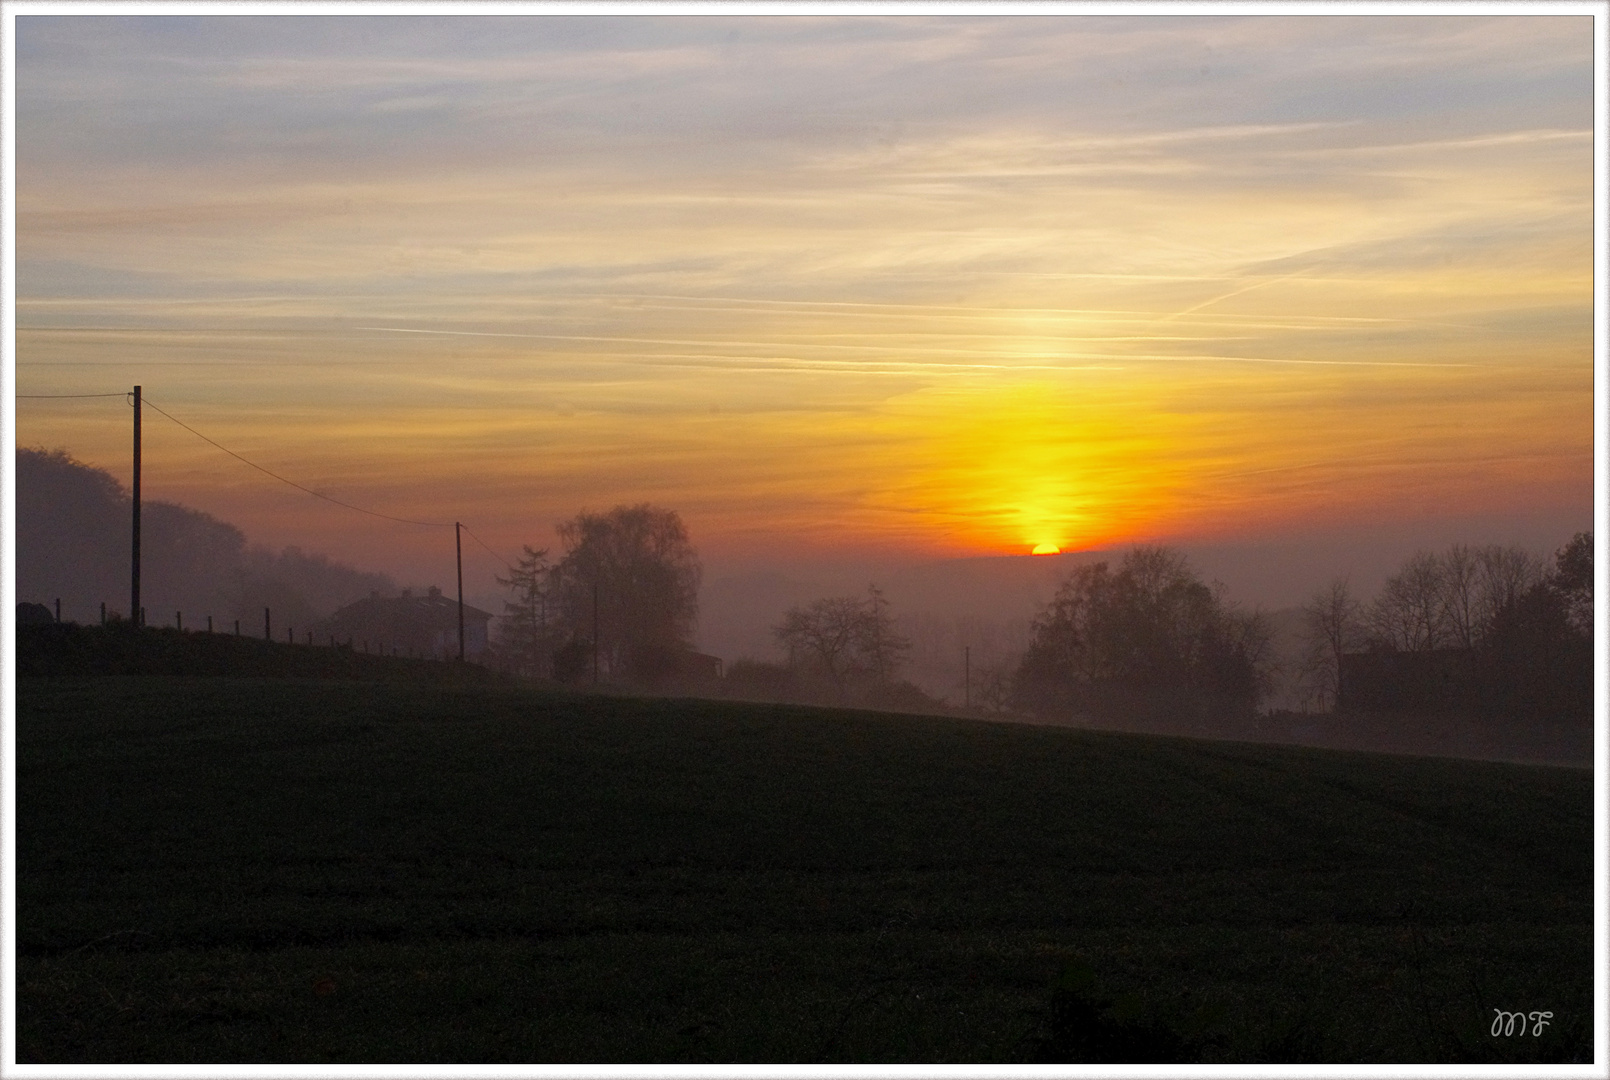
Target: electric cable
pixel 293 483
pixel 507 565
pixel 284 480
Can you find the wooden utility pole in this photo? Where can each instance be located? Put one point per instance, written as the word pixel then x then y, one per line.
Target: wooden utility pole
pixel 134 575
pixel 458 547
pixel 595 633
pixel 967 676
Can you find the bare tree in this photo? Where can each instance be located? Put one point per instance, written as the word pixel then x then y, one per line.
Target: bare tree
pixel 1332 626
pixel 1505 574
pixel 1409 614
pixel 844 637
pixel 1460 579
pixel 823 635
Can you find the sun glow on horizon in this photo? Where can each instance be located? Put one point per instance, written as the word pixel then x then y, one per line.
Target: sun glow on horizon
pixel 967 320
pixel 1047 548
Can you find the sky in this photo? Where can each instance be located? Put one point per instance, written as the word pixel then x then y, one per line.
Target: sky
pixel 906 286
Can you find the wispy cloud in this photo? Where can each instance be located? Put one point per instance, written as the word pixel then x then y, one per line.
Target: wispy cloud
pixel 1093 271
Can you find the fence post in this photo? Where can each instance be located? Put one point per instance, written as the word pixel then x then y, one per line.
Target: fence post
pixel 266 635
pixel 178 621
pixel 103 612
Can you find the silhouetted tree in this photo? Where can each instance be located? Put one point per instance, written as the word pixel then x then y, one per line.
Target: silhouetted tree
pixel 646 576
pixel 1525 635
pixel 1149 639
pixel 1461 605
pixel 844 639
pixel 1505 574
pixel 1450 599
pixel 1332 626
pixel 526 637
pixel 883 648
pixel 1572 579
pixel 1409 614
pixel 1538 656
pixel 822 636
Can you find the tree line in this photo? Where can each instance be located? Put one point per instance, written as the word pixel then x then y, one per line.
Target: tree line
pixel 1150 642
pixel 619 603
pixel 1144 640
pixel 1525 625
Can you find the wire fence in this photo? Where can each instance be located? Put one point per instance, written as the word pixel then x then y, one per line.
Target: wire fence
pixel 381 647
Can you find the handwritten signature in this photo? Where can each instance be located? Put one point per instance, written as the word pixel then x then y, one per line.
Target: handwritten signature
pixel 1515 1023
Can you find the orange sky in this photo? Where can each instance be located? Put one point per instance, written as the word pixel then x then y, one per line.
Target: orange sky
pixel 932 286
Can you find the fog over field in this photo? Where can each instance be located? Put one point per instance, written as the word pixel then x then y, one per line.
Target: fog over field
pixel 73 546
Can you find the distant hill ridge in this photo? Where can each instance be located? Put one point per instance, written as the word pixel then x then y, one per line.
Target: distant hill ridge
pixel 73 544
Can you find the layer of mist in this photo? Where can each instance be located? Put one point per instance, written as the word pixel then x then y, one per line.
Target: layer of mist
pixel 967 620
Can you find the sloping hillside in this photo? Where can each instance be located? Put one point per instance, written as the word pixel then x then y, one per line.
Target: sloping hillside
pixel 245 870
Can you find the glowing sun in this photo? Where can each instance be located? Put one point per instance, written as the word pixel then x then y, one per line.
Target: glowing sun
pixel 1047 549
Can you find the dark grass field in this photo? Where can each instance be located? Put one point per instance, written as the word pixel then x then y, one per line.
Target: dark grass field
pixel 276 870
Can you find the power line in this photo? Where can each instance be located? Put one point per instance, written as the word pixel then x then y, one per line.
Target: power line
pixel 293 483
pixel 284 480
pixel 489 551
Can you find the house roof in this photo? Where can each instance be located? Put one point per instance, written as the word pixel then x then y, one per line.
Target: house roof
pixel 432 609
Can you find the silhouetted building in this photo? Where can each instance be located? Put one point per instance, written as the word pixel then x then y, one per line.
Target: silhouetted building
pixel 408 625
pixel 1430 681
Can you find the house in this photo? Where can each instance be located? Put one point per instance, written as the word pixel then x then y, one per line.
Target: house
pixel 408 625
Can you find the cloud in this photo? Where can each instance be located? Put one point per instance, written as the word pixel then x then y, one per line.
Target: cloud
pixel 800 245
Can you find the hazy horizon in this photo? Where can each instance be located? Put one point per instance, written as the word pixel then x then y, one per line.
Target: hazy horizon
pixel 853 295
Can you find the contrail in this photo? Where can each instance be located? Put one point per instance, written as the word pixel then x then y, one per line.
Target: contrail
pixel 712 360
pixel 1233 292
